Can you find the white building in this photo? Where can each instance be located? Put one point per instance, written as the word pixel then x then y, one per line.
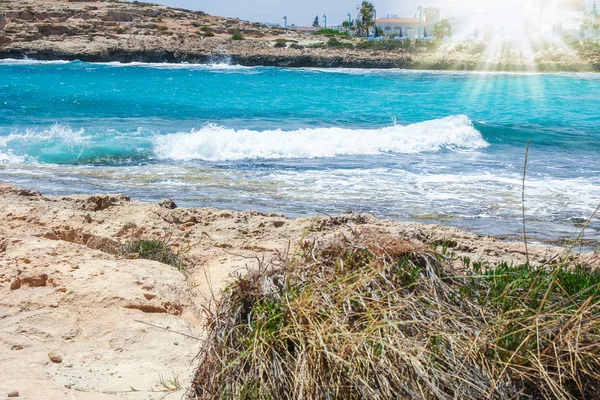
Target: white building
pixel 393 26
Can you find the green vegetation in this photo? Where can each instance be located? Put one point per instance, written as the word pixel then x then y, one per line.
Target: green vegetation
pixel 407 45
pixel 120 31
pixel 237 36
pixel 442 29
pixel 367 15
pixel 587 48
pixel 371 316
pixel 206 32
pixel 316 22
pixel 337 44
pixel 155 250
pixel 169 384
pixel 154 26
pixel 331 32
pixel 196 24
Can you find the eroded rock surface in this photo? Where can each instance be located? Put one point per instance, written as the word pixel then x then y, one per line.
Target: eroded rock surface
pixel 118 322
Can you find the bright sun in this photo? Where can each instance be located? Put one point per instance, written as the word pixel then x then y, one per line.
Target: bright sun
pixel 513 18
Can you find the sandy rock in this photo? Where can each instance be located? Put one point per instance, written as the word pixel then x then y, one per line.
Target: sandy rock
pixel 35 281
pixel 168 204
pixel 97 203
pixel 3 21
pixel 55 357
pixel 16 284
pixel 13 393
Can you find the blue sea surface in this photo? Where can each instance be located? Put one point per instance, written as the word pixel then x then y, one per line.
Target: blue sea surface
pixel 410 145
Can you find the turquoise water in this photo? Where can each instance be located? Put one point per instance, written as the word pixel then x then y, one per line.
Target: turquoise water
pixel 398 144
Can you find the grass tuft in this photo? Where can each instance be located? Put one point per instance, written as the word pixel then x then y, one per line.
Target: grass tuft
pixel 155 250
pixel 370 316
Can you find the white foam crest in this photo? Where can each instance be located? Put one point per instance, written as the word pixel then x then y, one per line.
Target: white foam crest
pixel 57 133
pixel 10 158
pixel 219 66
pixel 401 71
pixel 215 143
pixel 27 61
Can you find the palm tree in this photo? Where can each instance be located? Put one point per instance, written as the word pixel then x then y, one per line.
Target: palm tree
pixel 367 13
pixel 442 29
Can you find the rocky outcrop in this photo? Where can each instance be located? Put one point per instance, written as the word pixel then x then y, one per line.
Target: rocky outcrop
pixel 3 21
pixel 80 320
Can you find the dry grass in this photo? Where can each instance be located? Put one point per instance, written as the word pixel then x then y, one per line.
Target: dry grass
pixel 372 317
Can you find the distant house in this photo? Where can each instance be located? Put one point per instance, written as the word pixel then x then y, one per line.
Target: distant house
pixel 408 27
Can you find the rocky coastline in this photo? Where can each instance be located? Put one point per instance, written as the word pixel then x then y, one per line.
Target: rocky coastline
pixel 101 31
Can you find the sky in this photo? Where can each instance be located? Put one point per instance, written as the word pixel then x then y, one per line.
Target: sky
pixel 298 12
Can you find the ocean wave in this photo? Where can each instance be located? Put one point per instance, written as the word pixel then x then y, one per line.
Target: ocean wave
pixel 216 66
pixel 216 143
pixel 61 144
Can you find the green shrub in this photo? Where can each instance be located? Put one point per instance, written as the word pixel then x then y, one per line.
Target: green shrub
pixel 155 250
pixel 237 36
pixel 120 31
pixel 373 316
pixel 331 32
pixel 162 28
pixel 334 43
pixel 196 24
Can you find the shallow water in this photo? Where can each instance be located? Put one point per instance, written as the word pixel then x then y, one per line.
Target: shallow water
pixel 431 146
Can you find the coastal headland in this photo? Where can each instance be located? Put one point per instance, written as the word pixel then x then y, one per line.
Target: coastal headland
pixel 109 31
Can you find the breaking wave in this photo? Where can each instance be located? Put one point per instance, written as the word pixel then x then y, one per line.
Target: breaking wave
pixel 216 143
pixel 62 144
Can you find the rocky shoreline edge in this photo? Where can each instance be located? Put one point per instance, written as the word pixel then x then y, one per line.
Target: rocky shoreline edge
pixel 84 314
pixel 292 61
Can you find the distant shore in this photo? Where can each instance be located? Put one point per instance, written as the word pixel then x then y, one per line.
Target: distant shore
pixel 142 32
pixel 296 61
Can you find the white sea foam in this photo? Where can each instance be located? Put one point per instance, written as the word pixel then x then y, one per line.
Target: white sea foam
pixel 28 61
pixel 401 71
pixel 218 66
pixel 216 143
pixel 57 133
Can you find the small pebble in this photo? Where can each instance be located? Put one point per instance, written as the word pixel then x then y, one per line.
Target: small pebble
pixel 14 393
pixel 55 358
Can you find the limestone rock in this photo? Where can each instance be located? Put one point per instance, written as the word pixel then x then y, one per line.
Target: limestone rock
pixel 35 281
pixel 168 204
pixel 3 21
pixel 16 284
pixel 54 357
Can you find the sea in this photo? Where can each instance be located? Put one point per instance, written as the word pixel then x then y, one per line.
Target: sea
pixel 435 147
